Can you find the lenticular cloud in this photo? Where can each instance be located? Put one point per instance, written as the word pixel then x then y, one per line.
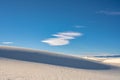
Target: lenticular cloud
pixel 62 38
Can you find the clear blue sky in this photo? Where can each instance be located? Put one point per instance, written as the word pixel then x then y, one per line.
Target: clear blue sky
pixel 28 23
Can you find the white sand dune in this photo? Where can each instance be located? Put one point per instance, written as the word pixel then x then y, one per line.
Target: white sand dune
pixel 27 64
pixel 111 60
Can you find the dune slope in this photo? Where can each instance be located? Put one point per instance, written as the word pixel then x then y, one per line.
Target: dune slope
pixel 27 64
pixel 49 58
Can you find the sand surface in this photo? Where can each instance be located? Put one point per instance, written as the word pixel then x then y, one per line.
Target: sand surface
pixel 111 61
pixel 51 67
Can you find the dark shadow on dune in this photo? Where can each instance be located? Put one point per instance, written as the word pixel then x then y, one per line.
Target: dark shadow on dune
pixel 43 57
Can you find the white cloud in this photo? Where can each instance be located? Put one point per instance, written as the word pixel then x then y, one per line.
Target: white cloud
pixel 67 35
pixel 56 41
pixel 109 12
pixel 72 34
pixel 6 43
pixel 62 38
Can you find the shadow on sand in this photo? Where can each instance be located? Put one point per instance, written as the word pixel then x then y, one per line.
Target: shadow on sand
pixel 51 58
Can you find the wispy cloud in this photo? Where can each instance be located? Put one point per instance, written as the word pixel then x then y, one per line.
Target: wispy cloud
pixel 67 35
pixel 109 12
pixel 78 26
pixel 6 43
pixel 62 38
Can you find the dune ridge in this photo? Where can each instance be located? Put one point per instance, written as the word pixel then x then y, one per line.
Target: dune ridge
pixel 50 58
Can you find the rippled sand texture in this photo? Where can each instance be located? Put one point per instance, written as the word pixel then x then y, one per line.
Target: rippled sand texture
pixel 27 64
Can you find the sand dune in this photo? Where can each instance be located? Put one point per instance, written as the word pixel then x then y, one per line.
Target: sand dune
pixel 49 58
pixel 27 64
pixel 107 60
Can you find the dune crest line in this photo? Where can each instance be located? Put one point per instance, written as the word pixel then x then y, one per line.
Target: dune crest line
pixel 50 58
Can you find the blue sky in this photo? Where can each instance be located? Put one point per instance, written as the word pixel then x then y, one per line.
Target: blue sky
pixel 66 26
